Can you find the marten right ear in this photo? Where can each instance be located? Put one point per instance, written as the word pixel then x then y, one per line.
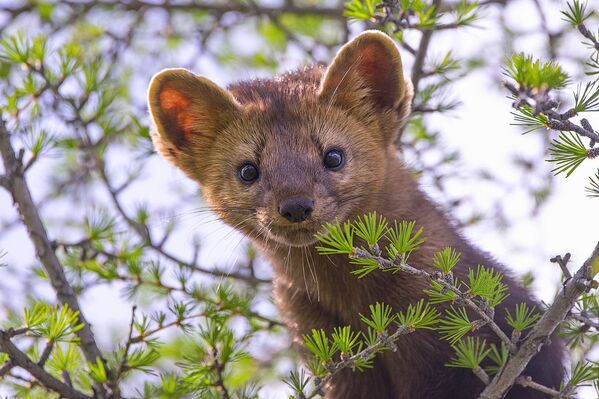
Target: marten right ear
pixel 188 112
pixel 367 73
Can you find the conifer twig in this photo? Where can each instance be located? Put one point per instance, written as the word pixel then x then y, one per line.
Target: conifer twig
pixel 540 333
pixel 19 190
pixel 385 264
pixel 20 359
pixel 363 354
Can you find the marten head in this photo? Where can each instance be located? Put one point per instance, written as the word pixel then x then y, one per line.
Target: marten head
pixel 278 158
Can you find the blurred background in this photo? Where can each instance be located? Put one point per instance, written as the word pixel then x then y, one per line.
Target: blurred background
pixel 130 229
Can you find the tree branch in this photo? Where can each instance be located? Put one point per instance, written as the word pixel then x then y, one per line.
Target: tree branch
pixel 553 316
pixel 18 358
pixel 144 233
pixel 527 382
pixel 585 320
pixel 210 6
pixel 385 264
pixel 43 249
pixel 364 354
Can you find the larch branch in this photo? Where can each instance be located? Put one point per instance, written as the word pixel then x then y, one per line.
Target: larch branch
pixel 538 336
pixel 19 190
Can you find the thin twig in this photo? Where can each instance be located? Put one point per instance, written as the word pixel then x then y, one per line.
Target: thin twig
pixel 418 67
pixel 220 7
pixel 123 363
pixel 585 320
pixel 46 353
pixel 527 382
pixel 144 232
pixel 563 264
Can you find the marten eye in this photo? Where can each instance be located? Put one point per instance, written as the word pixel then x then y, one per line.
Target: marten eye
pixel 333 159
pixel 248 172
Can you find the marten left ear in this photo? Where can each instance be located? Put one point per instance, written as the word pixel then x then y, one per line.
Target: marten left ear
pixel 369 68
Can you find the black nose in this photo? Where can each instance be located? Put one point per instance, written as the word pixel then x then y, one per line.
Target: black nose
pixel 296 209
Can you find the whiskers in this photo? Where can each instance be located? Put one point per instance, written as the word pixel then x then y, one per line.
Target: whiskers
pixel 237 219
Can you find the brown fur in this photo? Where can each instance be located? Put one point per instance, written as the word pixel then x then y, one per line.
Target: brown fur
pixel 284 126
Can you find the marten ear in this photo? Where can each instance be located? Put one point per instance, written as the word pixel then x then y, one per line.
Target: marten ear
pixel 188 111
pixel 368 69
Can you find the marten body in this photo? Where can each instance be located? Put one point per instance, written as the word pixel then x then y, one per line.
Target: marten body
pixel 266 153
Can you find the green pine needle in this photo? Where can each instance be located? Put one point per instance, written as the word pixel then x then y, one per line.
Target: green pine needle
pixel 368 265
pixel 446 259
pixel 593 63
pixel 568 152
pixel 370 228
pixel 65 358
pixel 316 367
pixel 525 117
pixel 318 343
pixel 439 294
pixel 593 188
pixel 455 325
pixel 524 317
pixel 346 340
pixel 446 65
pixel 486 283
pixel 97 371
pixel 418 316
pixel 403 240
pixel 535 74
pixel 360 10
pixel 380 317
pixel 298 381
pixel 465 12
pixel 587 99
pixel 54 323
pixel 337 239
pixel 584 372
pixel 469 353
pixel 498 358
pixel 576 13
pixel 15 48
pixel 427 18
pixel 141 359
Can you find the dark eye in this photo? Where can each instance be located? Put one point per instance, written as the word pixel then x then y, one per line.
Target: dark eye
pixel 333 159
pixel 248 172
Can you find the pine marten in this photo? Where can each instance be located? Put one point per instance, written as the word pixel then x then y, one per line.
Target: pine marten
pixel 277 158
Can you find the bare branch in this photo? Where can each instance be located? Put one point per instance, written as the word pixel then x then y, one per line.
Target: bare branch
pixel 563 264
pixel 217 8
pixel 481 374
pixel 46 353
pixel 585 320
pixel 527 382
pixel 6 367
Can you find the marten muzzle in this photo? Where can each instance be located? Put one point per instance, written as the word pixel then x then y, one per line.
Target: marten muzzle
pixel 296 209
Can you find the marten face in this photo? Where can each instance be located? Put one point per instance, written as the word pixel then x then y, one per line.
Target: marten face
pixel 279 158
